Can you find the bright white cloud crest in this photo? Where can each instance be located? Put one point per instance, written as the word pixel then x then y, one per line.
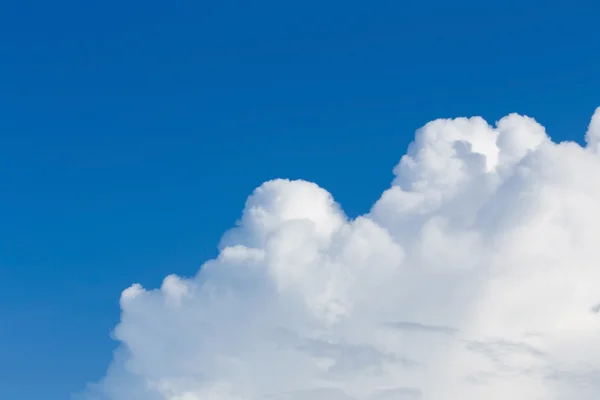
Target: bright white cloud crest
pixel 475 276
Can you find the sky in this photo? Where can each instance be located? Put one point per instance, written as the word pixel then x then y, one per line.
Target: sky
pixel 134 132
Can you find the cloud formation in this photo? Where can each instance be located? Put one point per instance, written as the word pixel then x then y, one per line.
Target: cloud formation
pixel 476 275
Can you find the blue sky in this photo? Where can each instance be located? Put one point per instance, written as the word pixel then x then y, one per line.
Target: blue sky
pixel 132 133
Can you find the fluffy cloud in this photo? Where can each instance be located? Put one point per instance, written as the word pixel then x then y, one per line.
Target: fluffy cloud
pixel 476 275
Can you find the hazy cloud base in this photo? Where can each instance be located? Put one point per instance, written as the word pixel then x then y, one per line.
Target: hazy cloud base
pixel 476 275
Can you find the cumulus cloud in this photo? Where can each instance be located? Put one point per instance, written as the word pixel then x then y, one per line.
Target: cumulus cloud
pixel 476 275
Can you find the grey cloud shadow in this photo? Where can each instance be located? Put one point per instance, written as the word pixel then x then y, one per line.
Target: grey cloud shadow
pixel 419 327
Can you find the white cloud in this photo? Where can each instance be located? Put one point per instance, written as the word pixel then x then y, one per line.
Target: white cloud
pixel 475 276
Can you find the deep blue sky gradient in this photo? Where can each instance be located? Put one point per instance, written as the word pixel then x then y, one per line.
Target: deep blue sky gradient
pixel 132 133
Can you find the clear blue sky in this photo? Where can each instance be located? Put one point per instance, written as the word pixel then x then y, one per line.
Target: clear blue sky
pixel 132 133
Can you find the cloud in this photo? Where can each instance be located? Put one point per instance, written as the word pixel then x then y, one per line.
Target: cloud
pixel 476 275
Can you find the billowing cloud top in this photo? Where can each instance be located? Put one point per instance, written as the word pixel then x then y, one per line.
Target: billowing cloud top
pixel 475 276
